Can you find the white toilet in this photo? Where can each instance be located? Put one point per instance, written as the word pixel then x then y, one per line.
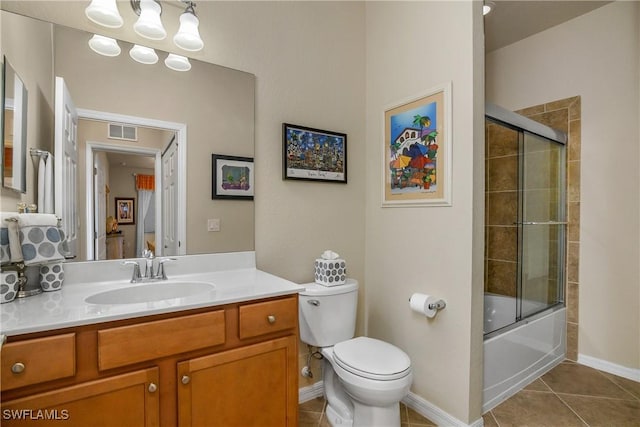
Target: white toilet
pixel 364 378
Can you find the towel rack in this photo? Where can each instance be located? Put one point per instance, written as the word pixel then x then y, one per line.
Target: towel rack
pixel 40 153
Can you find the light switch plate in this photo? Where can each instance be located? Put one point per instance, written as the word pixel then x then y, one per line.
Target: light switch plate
pixel 213 224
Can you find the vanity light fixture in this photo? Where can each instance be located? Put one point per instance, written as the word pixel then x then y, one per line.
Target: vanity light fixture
pixel 188 36
pixel 177 62
pixel 104 45
pixel 144 55
pixel 105 13
pixel 148 24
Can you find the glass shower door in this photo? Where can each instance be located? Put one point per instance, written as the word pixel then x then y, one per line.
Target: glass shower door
pixel 543 224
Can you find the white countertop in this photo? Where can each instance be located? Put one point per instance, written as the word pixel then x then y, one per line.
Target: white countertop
pixel 67 307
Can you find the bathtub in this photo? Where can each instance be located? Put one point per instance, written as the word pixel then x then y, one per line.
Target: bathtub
pixel 522 352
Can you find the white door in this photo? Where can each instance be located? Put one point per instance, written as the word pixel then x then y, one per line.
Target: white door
pixel 100 206
pixel 169 199
pixel 66 164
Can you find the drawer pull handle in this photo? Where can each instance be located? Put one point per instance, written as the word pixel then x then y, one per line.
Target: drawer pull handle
pixel 185 379
pixel 271 318
pixel 152 388
pixel 314 302
pixel 17 368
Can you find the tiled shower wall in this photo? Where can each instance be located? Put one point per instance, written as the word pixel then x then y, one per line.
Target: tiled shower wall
pixel 501 204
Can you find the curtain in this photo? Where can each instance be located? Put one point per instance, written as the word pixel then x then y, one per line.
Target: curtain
pixel 145 184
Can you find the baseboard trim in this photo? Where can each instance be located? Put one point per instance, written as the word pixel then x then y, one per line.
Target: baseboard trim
pixel 434 413
pixel 310 392
pixel 612 368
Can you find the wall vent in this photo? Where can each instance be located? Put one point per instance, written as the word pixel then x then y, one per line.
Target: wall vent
pixel 123 132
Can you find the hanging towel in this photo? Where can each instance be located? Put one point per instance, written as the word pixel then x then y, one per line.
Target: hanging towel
pixel 40 239
pixel 10 250
pixel 48 186
pixel 41 173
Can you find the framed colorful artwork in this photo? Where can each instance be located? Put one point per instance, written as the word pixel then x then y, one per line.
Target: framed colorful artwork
pixel 125 210
pixel 232 177
pixel 313 154
pixel 417 151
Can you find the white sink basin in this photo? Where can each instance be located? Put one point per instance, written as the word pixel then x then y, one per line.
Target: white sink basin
pixel 148 292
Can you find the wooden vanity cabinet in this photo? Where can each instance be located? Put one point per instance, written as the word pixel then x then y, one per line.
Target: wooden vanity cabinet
pixel 232 365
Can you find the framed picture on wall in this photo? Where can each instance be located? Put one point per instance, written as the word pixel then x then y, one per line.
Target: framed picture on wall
pixel 313 154
pixel 417 150
pixel 125 210
pixel 232 177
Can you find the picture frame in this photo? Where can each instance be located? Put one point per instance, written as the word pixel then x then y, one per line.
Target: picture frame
pixel 125 210
pixel 232 177
pixel 313 154
pixel 417 150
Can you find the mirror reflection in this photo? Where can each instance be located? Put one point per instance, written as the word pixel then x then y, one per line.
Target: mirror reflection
pixel 14 130
pixel 209 110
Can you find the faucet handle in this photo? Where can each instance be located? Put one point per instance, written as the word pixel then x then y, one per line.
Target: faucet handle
pixel 136 277
pixel 161 273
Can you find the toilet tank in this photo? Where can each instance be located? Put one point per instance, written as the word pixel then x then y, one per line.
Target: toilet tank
pixel 328 314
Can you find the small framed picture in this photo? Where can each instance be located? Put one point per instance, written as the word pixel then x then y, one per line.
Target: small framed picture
pixel 313 154
pixel 125 210
pixel 232 177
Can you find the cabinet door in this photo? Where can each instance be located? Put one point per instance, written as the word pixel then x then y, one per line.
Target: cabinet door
pixel 124 400
pixel 256 385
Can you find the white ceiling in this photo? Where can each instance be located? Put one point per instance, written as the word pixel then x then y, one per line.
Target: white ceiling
pixel 514 20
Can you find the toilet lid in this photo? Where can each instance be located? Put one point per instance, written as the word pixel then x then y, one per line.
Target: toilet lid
pixel 372 358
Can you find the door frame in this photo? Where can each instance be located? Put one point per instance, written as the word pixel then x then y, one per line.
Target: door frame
pixel 180 130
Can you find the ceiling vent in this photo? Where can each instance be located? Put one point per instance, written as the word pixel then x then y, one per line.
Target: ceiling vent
pixel 123 132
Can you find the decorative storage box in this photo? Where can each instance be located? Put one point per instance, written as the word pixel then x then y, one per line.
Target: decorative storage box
pixel 330 272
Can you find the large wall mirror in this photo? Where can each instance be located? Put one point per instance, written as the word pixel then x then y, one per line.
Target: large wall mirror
pixel 14 129
pixel 209 110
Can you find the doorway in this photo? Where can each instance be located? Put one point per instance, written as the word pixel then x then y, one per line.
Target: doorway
pixel 128 158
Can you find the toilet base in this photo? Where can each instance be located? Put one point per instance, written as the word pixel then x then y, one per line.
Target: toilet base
pixel 375 416
pixel 335 420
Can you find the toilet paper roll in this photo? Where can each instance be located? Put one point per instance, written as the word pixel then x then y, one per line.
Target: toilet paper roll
pixel 420 304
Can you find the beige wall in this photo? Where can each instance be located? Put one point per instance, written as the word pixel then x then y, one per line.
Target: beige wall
pixel 594 56
pixel 34 66
pixel 434 250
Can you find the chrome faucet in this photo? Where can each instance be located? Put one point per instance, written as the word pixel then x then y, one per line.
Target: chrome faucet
pixel 149 274
pixel 149 257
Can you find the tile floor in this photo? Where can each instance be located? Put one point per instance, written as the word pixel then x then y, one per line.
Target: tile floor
pixel 568 395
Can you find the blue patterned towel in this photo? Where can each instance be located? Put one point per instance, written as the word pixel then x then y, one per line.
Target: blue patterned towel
pixel 41 240
pixel 10 250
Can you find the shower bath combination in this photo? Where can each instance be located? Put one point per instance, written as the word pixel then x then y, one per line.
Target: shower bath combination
pixel 525 224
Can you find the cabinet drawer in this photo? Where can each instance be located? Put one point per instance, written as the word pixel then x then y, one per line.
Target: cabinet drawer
pixel 266 317
pixel 126 345
pixel 38 360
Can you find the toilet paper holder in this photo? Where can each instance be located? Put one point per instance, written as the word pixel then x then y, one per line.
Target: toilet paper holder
pixel 438 305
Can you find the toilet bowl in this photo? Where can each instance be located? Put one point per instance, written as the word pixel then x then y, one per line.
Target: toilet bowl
pixel 364 378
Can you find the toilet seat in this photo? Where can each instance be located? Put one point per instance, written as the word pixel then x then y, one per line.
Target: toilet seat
pixel 372 359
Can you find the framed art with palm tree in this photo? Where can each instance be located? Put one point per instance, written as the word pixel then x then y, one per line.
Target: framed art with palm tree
pixel 417 150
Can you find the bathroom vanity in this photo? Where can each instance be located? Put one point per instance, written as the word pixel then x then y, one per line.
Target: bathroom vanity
pixel 226 357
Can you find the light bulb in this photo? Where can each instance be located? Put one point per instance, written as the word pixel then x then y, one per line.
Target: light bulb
pixel 104 45
pixel 177 62
pixel 143 55
pixel 149 24
pixel 105 13
pixel 188 37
